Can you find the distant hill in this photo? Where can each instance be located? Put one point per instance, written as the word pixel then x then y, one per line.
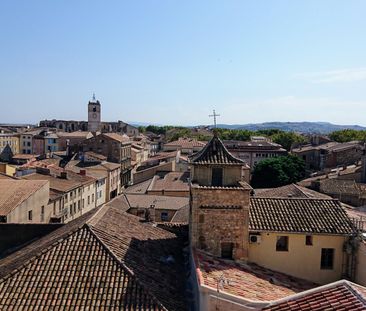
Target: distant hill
pixel 301 127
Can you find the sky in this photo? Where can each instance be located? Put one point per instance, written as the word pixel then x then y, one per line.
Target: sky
pixel 173 62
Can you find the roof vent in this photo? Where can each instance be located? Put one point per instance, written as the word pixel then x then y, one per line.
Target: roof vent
pixel 63 175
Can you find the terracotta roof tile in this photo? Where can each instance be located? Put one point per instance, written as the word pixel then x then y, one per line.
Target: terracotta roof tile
pixel 159 201
pixel 103 260
pixel 186 143
pixel 341 295
pixel 287 191
pixel 172 181
pixel 247 280
pixel 14 192
pixel 299 215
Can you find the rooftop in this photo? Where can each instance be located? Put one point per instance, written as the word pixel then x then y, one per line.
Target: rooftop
pixel 57 183
pixel 117 137
pixel 74 134
pixel 171 181
pixel 106 245
pixel 186 143
pixel 140 188
pixel 215 153
pixel 248 281
pixel 292 190
pixel 159 201
pixel 341 295
pixel 299 215
pixel 14 192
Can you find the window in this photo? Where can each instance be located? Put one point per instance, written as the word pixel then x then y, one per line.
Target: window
pixel 216 179
pixel 88 199
pixel 30 215
pixel 75 208
pixel 79 205
pixel 93 198
pixel 164 216
pixel 309 240
pixel 282 243
pixel 227 250
pixel 201 219
pixel 71 213
pixel 327 259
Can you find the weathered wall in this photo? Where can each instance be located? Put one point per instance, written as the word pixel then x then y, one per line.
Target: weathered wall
pixel 265 254
pixel 361 264
pixel 203 174
pixel 226 219
pixel 33 203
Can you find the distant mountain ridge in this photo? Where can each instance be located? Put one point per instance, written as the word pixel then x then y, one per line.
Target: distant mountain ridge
pixel 302 127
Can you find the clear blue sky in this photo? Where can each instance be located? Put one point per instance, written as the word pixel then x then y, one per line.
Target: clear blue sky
pixel 172 62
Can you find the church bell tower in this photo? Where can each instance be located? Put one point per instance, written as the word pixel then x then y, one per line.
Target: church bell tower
pixel 219 202
pixel 94 115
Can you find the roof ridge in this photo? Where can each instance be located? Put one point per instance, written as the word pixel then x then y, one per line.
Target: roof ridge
pixel 355 291
pixel 292 198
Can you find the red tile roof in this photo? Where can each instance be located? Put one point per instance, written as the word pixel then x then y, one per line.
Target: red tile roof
pixel 299 215
pixel 249 281
pixel 341 295
pixel 104 260
pixel 186 143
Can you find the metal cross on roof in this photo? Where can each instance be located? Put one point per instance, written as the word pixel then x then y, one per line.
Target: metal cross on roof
pixel 214 115
pixel 93 96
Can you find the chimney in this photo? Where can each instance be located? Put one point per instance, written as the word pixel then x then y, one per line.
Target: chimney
pixel 63 175
pixel 82 172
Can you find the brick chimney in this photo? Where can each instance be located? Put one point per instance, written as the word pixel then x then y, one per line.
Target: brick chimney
pixel 82 172
pixel 63 175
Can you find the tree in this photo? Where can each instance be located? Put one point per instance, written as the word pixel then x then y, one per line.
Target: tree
pixel 346 135
pixel 276 172
pixel 288 139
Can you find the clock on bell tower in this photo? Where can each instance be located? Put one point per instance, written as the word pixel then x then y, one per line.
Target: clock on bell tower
pixel 94 115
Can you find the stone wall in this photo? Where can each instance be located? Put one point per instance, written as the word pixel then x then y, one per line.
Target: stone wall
pixel 220 216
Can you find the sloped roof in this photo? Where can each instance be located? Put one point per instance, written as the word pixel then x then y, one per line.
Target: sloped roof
pixel 14 192
pixel 248 281
pixel 291 190
pixel 105 259
pixel 139 188
pixel 159 201
pixel 299 215
pixel 76 273
pixel 181 216
pixel 170 181
pixel 186 143
pixel 215 153
pixel 341 295
pixel 115 136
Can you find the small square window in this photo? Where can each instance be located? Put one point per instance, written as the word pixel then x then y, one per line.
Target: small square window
pixel 282 244
pixel 309 240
